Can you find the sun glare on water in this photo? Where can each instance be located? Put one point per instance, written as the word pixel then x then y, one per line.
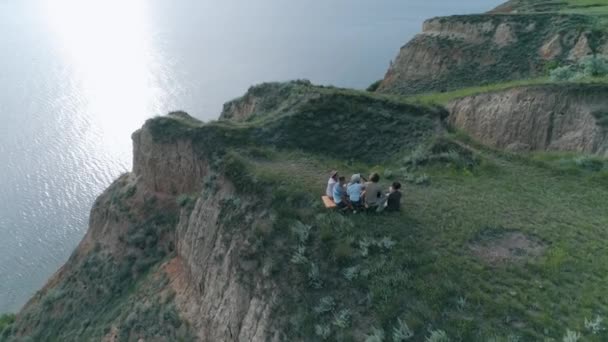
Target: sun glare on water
pixel 108 45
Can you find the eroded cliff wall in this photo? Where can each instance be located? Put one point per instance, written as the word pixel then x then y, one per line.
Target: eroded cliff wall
pixel 166 257
pixel 460 51
pixel 553 118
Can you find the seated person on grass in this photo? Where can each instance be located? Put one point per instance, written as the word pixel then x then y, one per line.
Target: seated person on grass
pixel 339 194
pixel 355 191
pixel 393 202
pixel 374 198
pixel 331 183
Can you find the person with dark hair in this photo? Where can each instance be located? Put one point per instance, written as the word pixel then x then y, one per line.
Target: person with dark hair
pixel 331 183
pixel 374 198
pixel 339 194
pixel 393 202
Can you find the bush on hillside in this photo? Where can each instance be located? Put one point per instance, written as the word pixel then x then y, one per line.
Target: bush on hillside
pixel 565 73
pixel 374 86
pixel 590 66
pixel 5 322
pixel 593 66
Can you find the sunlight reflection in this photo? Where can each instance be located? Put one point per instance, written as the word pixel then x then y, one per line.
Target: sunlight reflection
pixel 109 45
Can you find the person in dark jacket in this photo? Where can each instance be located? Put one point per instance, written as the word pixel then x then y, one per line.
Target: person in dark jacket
pixel 393 202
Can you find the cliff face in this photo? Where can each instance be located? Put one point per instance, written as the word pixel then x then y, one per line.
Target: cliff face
pixel 218 290
pixel 459 51
pixel 564 118
pixel 189 264
pixel 187 245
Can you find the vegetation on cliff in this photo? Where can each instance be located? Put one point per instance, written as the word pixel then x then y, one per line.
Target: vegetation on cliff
pixel 437 266
pixel 517 41
pixel 111 290
pixel 490 245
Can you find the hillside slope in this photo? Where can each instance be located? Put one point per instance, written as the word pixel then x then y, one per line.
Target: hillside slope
pixel 508 44
pixel 176 248
pixel 218 235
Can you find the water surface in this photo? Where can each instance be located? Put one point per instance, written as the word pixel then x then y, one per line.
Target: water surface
pixel 78 76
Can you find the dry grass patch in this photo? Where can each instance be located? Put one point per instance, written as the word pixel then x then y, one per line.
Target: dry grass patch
pixel 497 248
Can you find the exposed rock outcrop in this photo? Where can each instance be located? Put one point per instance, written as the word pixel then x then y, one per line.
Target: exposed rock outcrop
pixel 558 118
pixel 223 292
pixel 459 51
pixel 212 281
pixel 217 287
pixel 171 168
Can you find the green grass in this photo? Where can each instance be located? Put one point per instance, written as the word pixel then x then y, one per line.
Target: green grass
pixel 338 122
pixel 445 98
pixel 6 320
pixel 587 7
pixel 430 278
pixel 591 7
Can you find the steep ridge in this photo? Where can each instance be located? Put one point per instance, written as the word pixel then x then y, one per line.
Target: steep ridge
pixel 174 248
pixel 222 295
pixel 339 122
pixel 540 118
pixel 460 51
pixel 147 266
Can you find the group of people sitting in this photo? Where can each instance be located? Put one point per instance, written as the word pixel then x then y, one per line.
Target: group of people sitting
pixel 363 194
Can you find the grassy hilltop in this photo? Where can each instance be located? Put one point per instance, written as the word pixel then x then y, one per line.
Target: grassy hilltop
pixel 589 7
pixel 433 266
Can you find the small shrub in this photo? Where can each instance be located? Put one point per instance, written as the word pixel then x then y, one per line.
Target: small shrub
pixel 301 231
pixel 423 180
pixel 326 304
pixel 342 319
pixel 388 174
pixel 377 335
pixel 343 251
pixel 589 163
pixel 438 336
pixel 210 183
pixel 461 303
pixel 364 246
pixel 571 336
pixel 550 66
pixel 587 67
pixel 594 326
pixel 314 277
pixel 263 228
pixel 323 331
pixel 386 243
pixel 564 73
pixel 299 257
pixel 402 332
pixel 131 190
pixel 374 86
pixel 186 201
pixel 350 273
pixel 594 66
pixel 5 321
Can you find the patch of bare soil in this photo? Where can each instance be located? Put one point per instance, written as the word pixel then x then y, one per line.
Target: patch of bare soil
pixel 507 246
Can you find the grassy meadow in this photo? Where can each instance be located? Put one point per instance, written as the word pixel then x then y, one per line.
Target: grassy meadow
pixel 418 268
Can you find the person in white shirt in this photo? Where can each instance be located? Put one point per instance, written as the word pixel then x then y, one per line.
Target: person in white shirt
pixel 331 183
